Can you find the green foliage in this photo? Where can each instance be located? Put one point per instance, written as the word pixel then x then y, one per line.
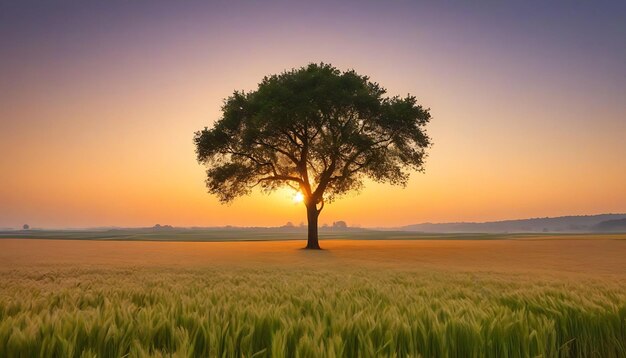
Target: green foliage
pixel 316 129
pixel 286 312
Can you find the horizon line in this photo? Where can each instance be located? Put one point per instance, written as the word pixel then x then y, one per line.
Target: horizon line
pixel 167 226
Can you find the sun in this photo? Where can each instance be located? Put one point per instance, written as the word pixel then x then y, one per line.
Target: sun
pixel 298 198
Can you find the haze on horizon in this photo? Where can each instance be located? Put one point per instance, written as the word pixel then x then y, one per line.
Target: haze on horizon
pixel 99 103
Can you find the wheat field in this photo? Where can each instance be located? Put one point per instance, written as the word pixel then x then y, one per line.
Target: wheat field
pixel 506 298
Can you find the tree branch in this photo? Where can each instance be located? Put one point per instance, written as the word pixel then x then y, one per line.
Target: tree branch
pixel 321 207
pixel 278 178
pixel 284 152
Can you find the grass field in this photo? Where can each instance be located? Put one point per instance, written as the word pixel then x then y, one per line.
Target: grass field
pixel 550 296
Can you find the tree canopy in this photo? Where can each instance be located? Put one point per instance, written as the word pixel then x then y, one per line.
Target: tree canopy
pixel 316 129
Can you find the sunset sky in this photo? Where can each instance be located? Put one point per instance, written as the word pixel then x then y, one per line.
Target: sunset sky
pixel 99 102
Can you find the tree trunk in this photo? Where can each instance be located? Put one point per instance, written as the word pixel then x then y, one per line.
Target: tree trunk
pixel 312 215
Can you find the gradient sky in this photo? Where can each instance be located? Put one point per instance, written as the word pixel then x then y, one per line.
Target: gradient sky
pixel 99 102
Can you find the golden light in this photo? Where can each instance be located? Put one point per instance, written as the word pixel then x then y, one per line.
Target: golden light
pixel 298 198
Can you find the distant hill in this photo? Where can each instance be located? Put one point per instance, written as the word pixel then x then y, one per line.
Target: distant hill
pixel 618 225
pixel 585 223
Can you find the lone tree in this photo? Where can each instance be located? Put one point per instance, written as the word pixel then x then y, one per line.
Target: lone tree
pixel 317 130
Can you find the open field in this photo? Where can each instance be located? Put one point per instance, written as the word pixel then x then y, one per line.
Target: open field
pixel 273 234
pixel 551 296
